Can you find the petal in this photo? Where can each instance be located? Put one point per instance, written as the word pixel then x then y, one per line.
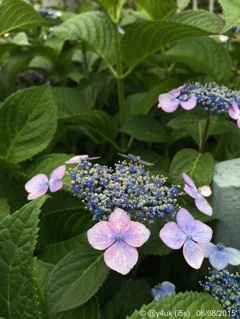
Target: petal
pixel 162 290
pixel 119 221
pixel 58 173
pixel 76 159
pixel 172 235
pixel 55 185
pixel 121 257
pixel 193 254
pixel 233 256
pixel 203 205
pixel 167 102
pixel 218 259
pixel 100 236
pixel 208 249
pixel 188 180
pixel 236 107
pixel 176 92
pixel 37 186
pixel 185 221
pixel 137 234
pixel 201 233
pixel 190 104
pixel 193 192
pixel 232 114
pixel 205 190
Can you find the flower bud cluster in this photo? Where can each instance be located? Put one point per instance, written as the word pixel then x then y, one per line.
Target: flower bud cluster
pixel 212 97
pixel 225 287
pixel 127 186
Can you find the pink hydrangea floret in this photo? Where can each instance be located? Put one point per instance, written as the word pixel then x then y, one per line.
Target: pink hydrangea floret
pixel 119 236
pixel 169 102
pixel 189 234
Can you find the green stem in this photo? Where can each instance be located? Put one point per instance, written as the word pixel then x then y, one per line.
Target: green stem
pixel 205 133
pixel 119 78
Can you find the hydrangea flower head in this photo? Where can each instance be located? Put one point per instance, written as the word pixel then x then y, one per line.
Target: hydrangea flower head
pixel 198 194
pixel 170 101
pixel 39 184
pixel 120 236
pixel 166 288
pixel 189 233
pixel 220 256
pixel 234 113
pixel 127 186
pixel 225 288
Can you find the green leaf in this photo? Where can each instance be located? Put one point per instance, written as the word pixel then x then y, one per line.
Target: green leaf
pixel 70 102
pixel 204 55
pixel 144 128
pixel 202 19
pixel 94 28
pixel 17 15
pixel 195 124
pixel 130 297
pixel 231 11
pixel 26 124
pixel 154 246
pixel 46 164
pixel 193 305
pixel 112 7
pixel 198 166
pixel 7 166
pixel 18 236
pixel 158 9
pixel 9 73
pixel 98 122
pixel 75 279
pixel 41 273
pixel 89 310
pixel 12 195
pixel 144 38
pixel 150 98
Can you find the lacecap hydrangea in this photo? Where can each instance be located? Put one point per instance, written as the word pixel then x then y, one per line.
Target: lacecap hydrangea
pixel 127 186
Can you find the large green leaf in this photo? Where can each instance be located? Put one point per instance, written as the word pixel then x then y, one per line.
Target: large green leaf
pixel 28 120
pixel 231 11
pixel 18 235
pixel 193 305
pixel 202 19
pixel 18 15
pixel 204 55
pixel 93 28
pixel 158 9
pixel 144 38
pixel 144 128
pixel 98 122
pixel 199 166
pixel 89 310
pixel 130 297
pixel 75 279
pixel 7 166
pixel 69 101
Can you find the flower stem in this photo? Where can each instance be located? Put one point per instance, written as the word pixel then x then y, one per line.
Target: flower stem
pixel 205 133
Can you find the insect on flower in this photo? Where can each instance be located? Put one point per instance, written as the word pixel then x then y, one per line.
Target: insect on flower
pixel 136 159
pixel 38 185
